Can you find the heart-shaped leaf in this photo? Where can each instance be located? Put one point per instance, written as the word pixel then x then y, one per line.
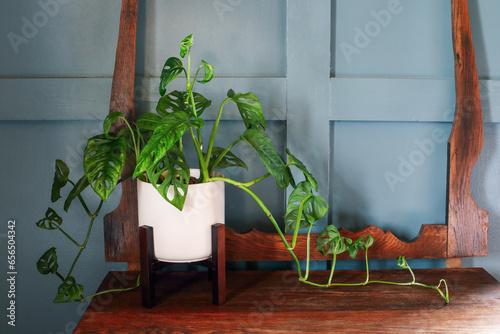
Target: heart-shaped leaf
pixel 80 186
pixel 209 72
pixel 68 291
pixel 47 264
pixel 293 161
pixel 178 101
pixel 110 119
pixel 51 220
pixel 166 134
pixel 60 179
pixel 269 156
pixel 186 44
pixel 228 160
pixel 304 207
pixel 103 163
pixel 171 174
pixel 250 109
pixel 331 242
pixel 172 68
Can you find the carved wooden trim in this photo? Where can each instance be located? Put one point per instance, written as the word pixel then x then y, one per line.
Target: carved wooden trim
pixel 121 231
pixel 467 223
pixel 259 246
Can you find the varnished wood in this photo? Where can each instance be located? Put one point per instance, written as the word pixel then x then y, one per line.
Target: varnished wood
pixel 276 302
pixel 454 262
pixel 121 232
pixel 467 223
pixel 258 246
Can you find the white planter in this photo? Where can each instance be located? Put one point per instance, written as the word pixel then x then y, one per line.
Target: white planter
pixel 182 236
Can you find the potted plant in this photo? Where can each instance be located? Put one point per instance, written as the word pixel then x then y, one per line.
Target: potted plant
pixel 154 145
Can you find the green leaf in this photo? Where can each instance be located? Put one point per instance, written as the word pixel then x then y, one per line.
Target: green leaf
pixel 250 109
pixel 186 44
pixel 47 264
pixel 293 161
pixel 178 101
pixel 330 242
pixel 313 207
pixel 68 291
pixel 110 119
pixel 171 129
pixel 103 163
pixel 148 121
pixel 51 220
pixel 171 171
pixel 171 69
pixel 270 158
pixel 77 190
pixel 402 263
pixel 209 72
pixel 228 160
pixel 60 179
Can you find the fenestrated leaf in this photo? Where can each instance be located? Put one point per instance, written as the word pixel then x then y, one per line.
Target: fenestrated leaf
pixel 60 179
pixel 148 121
pixel 47 264
pixel 330 242
pixel 363 243
pixel 313 207
pixel 164 137
pixel 171 171
pixel 270 158
pixel 250 109
pixel 68 291
pixel 185 44
pixel 172 68
pixel 293 161
pixel 228 160
pixel 103 163
pixel 209 72
pixel 51 220
pixel 77 190
pixel 110 119
pixel 178 101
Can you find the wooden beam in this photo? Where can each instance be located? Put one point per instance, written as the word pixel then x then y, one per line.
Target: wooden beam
pixel 467 222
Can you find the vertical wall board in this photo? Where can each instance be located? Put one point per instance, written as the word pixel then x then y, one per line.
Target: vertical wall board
pixel 308 64
pixel 417 33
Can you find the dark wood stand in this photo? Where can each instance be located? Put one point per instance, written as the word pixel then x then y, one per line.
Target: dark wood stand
pixel 216 266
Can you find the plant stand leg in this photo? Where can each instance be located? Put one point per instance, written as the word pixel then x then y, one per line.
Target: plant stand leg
pixel 147 271
pixel 219 264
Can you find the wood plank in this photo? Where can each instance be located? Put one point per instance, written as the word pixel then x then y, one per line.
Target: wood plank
pixel 429 244
pixel 121 230
pixel 276 302
pixel 467 222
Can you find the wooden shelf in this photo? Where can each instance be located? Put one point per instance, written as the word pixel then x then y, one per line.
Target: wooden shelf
pixel 276 302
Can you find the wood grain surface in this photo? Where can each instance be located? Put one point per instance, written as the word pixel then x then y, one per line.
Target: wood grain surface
pixel 467 223
pixel 276 302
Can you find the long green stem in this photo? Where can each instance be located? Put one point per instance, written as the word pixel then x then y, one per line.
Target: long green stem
pixel 203 166
pixel 297 223
pixel 214 131
pixel 137 284
pixel 93 216
pixel 69 237
pixel 308 250
pixel 267 212
pixel 334 262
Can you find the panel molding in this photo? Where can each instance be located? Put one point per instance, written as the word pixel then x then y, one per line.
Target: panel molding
pixel 396 100
pixel 83 99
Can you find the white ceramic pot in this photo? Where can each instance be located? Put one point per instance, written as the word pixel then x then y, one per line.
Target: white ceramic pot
pixel 182 236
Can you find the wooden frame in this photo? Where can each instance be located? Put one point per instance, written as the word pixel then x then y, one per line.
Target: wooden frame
pixel 463 235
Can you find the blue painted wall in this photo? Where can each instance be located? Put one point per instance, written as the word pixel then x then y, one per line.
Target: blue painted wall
pixel 355 88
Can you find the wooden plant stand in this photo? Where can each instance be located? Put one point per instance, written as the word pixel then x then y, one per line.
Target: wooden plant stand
pixel 149 264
